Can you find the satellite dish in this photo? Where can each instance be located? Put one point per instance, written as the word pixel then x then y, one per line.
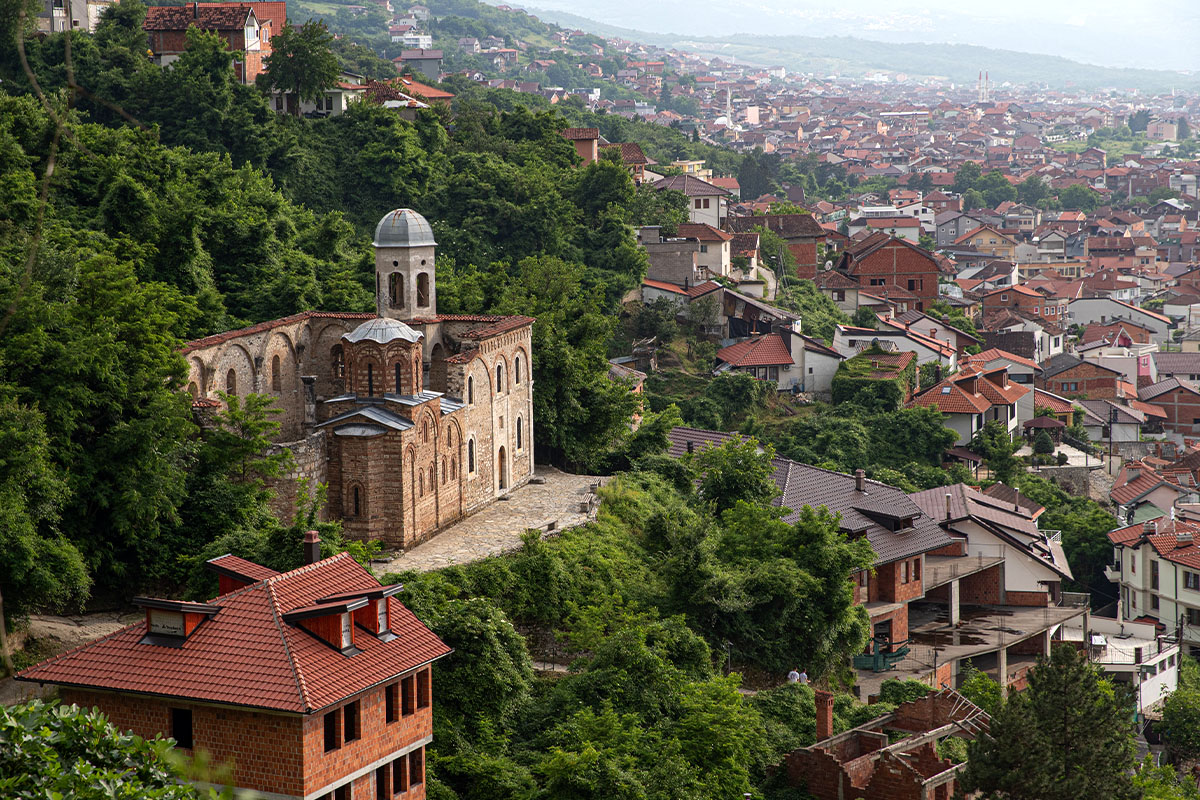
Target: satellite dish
pixel 828 265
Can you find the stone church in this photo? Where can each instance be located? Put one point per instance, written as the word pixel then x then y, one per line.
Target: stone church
pixel 413 419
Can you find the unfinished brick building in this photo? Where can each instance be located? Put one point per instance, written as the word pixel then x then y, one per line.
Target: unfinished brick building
pixel 413 419
pixel 313 684
pixel 864 763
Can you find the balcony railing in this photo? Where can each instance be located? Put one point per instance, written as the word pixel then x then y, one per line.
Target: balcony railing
pixel 1075 599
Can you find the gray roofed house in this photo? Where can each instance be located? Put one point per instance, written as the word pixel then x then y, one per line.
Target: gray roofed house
pixel 893 524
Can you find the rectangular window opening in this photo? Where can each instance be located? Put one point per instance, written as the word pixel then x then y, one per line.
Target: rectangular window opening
pixel 352 726
pixel 332 731
pixel 181 727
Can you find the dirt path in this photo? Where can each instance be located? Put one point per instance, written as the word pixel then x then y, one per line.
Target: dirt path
pixel 50 635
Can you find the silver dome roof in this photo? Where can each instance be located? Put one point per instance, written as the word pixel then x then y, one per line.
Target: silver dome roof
pixel 403 228
pixel 382 330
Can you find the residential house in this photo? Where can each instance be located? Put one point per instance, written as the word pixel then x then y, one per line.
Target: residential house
pixel 715 248
pixel 934 328
pixel 840 288
pixel 1085 310
pixel 56 16
pixel 974 397
pixel 1137 655
pixel 1180 400
pixel 1071 376
pixel 707 204
pixel 789 359
pixel 892 267
pixel 849 341
pixel 1185 366
pixel 1032 302
pixel 1139 491
pixel 311 683
pixel 986 239
pixel 245 28
pixel 1156 564
pixel 801 234
pixel 427 62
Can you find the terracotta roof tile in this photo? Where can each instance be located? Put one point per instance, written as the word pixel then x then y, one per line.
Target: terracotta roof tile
pixel 761 351
pixel 246 655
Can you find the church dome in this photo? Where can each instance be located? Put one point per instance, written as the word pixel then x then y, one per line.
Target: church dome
pixel 383 331
pixel 403 228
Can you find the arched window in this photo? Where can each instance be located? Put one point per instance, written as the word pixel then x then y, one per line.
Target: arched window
pixel 517 371
pixel 432 478
pixel 425 431
pixel 370 379
pixel 471 456
pixel 276 378
pixel 453 469
pixel 471 391
pixel 417 383
pixel 354 502
pixel 443 471
pixel 193 391
pixel 423 289
pixel 231 382
pixel 520 426
pixel 337 359
pixel 421 482
pixel 396 290
pixel 398 376
pixel 499 379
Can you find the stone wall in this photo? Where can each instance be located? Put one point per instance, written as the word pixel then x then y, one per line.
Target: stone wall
pixel 1072 480
pixel 309 459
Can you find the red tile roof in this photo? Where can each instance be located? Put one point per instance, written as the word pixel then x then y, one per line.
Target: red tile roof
pixel 245 654
pixel 218 338
pixel 995 353
pixel 207 16
pixel 761 351
pixel 1044 399
pixel 949 398
pixel 582 134
pixel 702 231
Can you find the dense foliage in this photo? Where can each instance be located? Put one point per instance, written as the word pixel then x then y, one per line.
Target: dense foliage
pixel 648 602
pixel 49 751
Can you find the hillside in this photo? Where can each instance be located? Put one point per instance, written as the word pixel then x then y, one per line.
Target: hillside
pixel 855 56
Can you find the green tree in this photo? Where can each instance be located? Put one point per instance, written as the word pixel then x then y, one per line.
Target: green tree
pixel 981 690
pixel 967 176
pixel 1180 725
pixel 301 64
pixel 1042 443
pixel 738 470
pixel 973 199
pixel 1067 736
pixel 1032 190
pixel 40 568
pixel 1079 197
pixel 996 188
pixel 997 447
pixel 64 751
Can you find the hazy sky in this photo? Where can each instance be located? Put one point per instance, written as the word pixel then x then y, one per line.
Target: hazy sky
pixel 1152 34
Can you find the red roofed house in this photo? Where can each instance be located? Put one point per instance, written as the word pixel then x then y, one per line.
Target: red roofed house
pixel 314 683
pixel 894 267
pixel 1156 563
pixel 1181 402
pixel 586 141
pixel 244 27
pixel 800 232
pixel 973 397
pixel 411 418
pixel 787 358
pixel 1028 301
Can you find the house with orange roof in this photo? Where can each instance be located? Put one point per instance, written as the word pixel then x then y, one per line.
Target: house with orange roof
pixel 974 397
pixel 1027 301
pixel 850 340
pixel 1156 564
pixel 313 683
pixel 990 240
pixel 785 357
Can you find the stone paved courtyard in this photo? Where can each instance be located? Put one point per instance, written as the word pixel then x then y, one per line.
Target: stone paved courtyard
pixel 498 528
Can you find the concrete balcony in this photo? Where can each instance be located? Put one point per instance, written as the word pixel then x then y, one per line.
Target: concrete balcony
pixel 940 570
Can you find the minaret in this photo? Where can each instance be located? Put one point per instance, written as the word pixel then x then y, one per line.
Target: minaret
pixel 405 285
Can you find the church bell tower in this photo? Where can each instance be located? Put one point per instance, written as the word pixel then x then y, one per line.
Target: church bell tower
pixel 405 285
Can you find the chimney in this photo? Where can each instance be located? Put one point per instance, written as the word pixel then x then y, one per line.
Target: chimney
pixel 195 11
pixel 1149 528
pixel 691 447
pixel 312 547
pixel 860 480
pixel 937 373
pixel 1017 500
pixel 824 703
pixel 947 506
pixel 1182 538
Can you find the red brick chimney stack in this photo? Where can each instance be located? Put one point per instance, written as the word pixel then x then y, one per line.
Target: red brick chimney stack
pixel 312 547
pixel 824 714
pixel 860 480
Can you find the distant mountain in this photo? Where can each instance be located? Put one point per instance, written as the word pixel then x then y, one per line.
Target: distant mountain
pixel 847 55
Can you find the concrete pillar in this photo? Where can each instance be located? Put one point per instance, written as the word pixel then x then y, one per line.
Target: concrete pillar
pixel 1046 644
pixel 955 614
pixel 1002 661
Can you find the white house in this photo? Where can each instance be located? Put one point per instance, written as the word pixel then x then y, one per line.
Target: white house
pixel 1085 310
pixel 1133 653
pixel 707 204
pixel 1156 563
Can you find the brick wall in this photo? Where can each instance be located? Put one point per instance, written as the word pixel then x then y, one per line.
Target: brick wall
pixel 265 749
pixel 309 461
pixel 888 584
pixel 1182 407
pixel 1088 380
pixel 379 740
pixel 985 587
pixel 897 263
pixel 1036 599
